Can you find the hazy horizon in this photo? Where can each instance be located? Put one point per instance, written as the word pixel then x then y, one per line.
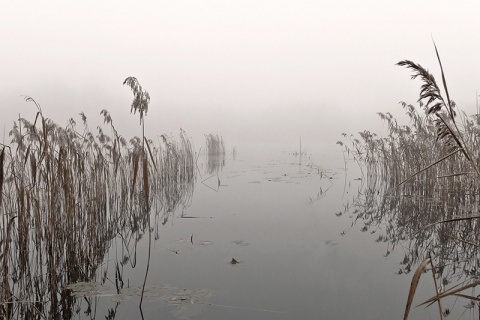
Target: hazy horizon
pixel 251 71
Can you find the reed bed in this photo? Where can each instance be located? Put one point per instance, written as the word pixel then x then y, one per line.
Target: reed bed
pixel 66 194
pixel 420 189
pixel 214 144
pixel 215 153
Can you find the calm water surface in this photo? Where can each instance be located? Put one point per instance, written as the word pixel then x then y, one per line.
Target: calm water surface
pixel 275 214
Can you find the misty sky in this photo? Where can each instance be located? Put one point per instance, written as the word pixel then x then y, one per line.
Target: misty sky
pixel 252 71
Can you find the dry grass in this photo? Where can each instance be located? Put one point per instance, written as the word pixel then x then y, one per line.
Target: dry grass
pixel 66 194
pixel 215 153
pixel 421 189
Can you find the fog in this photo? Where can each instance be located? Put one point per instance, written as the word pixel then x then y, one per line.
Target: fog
pixel 252 71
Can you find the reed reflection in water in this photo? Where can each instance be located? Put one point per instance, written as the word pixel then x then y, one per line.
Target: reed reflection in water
pixel 428 208
pixel 67 196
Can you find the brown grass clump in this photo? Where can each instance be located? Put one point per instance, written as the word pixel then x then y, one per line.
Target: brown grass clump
pixel 68 194
pixel 421 189
pixel 215 153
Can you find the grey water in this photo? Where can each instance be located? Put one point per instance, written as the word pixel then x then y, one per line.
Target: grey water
pixel 276 216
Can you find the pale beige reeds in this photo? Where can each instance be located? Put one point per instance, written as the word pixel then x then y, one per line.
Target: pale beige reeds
pixel 422 183
pixel 66 195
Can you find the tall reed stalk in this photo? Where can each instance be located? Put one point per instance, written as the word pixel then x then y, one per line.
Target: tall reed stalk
pixel 140 103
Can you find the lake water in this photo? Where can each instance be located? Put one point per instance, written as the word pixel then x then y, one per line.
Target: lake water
pixel 275 216
pixel 262 233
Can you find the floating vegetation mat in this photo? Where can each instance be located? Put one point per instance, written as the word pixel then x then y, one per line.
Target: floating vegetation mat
pixel 241 243
pixel 330 243
pixel 87 289
pixel 185 302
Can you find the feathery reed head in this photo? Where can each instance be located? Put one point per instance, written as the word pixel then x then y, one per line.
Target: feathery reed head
pixel 429 90
pixel 141 97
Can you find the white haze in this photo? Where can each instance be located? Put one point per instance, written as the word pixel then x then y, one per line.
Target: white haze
pixel 252 71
